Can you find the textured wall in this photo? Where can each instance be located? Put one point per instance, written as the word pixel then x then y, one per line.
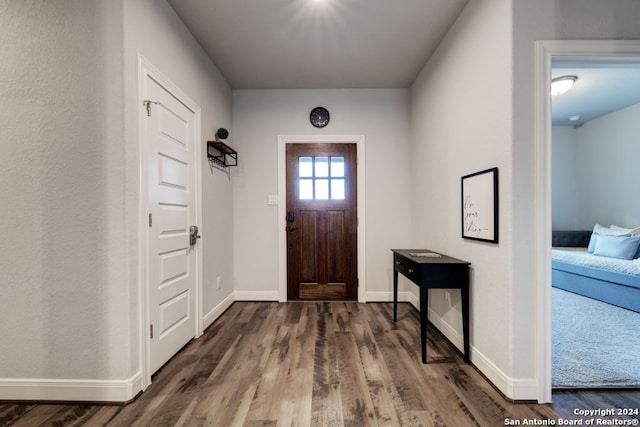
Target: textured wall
pixel 63 261
pixel 461 124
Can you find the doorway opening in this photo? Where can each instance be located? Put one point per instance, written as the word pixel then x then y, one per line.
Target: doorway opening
pixel 548 54
pixel 594 128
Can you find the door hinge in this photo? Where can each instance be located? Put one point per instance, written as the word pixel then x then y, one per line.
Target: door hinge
pixel 150 220
pixel 147 104
pixel 151 331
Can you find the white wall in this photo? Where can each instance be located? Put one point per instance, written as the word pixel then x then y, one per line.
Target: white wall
pixel 608 153
pixel 259 116
pixel 568 204
pixel 461 123
pixel 595 172
pixel 69 165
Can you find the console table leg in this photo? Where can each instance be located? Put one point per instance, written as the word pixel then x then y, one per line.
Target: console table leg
pixel 395 295
pixel 424 304
pixel 464 293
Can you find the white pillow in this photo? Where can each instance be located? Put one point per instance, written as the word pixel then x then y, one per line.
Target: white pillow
pixel 632 231
pixel 601 230
pixel 606 231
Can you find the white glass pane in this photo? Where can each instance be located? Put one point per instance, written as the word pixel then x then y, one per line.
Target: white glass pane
pixel 337 189
pixel 305 167
pixel 337 167
pixel 305 189
pixel 322 167
pixel 322 189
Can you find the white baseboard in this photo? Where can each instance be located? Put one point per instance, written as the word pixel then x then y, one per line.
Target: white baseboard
pixel 524 389
pixel 217 311
pixel 71 390
pixel 414 300
pixel 512 388
pixel 452 335
pixel 387 296
pixel 257 296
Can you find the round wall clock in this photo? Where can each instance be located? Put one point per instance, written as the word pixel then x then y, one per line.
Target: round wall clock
pixel 319 117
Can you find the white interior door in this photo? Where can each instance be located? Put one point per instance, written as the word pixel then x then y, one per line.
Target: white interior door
pixel 170 143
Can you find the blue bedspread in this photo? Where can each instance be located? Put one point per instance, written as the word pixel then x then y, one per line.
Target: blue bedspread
pixel 613 287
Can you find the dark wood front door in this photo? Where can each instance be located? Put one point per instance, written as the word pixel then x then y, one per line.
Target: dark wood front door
pixel 322 221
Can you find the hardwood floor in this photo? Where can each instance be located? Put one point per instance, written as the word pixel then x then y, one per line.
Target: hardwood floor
pixel 317 364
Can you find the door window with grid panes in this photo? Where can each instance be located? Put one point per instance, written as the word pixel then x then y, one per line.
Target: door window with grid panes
pixel 321 178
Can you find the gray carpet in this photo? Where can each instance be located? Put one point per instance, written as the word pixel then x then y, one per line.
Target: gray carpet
pixel 594 344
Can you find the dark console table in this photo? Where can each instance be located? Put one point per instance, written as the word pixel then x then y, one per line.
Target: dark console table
pixel 439 271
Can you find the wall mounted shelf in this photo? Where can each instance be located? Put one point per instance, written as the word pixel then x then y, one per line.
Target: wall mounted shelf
pixel 221 154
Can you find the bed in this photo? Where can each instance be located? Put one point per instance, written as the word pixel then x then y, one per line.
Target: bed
pixel 604 278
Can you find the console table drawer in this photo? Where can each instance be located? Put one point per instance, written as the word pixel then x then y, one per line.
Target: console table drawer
pixel 407 268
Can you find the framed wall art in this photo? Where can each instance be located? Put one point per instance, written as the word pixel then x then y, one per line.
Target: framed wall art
pixel 480 206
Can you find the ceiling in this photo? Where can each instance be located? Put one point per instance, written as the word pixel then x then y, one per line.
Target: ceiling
pixel 598 91
pixel 308 44
pixel 324 44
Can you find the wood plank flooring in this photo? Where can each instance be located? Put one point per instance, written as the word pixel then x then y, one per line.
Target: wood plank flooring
pixel 316 364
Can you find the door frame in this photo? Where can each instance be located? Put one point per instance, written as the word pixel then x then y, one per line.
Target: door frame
pixel 147 70
pixel 596 52
pixel 283 140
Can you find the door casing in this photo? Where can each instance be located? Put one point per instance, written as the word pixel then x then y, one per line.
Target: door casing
pixel 146 70
pixel 578 52
pixel 283 140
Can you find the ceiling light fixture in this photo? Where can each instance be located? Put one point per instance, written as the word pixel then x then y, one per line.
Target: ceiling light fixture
pixel 561 85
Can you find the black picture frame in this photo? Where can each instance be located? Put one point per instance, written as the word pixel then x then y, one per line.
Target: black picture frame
pixel 479 206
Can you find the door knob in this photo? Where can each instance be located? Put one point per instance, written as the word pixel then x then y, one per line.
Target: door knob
pixel 291 228
pixel 193 235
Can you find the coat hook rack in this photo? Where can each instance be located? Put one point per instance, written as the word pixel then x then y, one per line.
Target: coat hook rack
pixel 221 154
